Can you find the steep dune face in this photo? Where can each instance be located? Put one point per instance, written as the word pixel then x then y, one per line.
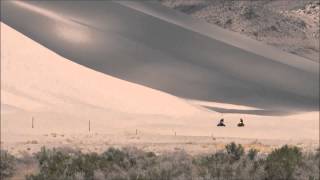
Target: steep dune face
pixel 62 96
pixel 138 42
pixel 36 79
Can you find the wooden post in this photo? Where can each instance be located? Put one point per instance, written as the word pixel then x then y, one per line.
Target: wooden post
pixel 89 126
pixel 32 123
pixel 175 133
pixel 136 131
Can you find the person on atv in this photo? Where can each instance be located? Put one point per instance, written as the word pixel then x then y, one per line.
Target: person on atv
pixel 221 123
pixel 241 124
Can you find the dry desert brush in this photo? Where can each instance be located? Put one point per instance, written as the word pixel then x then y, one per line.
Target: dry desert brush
pixel 7 164
pixel 233 163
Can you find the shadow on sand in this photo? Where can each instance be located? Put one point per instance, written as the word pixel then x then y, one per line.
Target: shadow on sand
pixel 261 112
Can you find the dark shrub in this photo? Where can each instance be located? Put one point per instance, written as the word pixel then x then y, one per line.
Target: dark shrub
pixel 7 164
pixel 281 163
pixel 236 151
pixel 133 164
pixel 249 13
pixel 129 163
pixel 86 164
pixel 219 165
pixel 252 153
pixel 176 165
pixel 54 164
pixel 228 22
pixel 114 160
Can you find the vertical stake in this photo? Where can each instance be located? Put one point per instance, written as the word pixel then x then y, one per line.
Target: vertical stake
pixel 175 133
pixel 136 131
pixel 89 126
pixel 32 125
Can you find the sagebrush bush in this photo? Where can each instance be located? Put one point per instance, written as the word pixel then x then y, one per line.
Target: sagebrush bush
pixel 281 163
pixel 54 164
pixel 252 153
pixel 7 164
pixel 236 151
pixel 309 168
pixel 133 164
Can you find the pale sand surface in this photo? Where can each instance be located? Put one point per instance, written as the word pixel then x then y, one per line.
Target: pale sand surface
pixel 62 97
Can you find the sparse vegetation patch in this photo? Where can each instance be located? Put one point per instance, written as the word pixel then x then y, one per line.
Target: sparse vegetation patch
pixel 133 164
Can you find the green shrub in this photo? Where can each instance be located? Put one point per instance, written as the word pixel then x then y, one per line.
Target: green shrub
pixel 236 151
pixel 281 163
pixel 218 164
pixel 133 164
pixel 86 165
pixel 171 166
pixel 54 164
pixel 7 164
pixel 252 153
pixel 116 157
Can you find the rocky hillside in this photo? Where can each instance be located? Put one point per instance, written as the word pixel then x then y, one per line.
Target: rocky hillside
pixel 291 25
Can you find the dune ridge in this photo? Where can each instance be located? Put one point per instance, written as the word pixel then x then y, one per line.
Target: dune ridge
pixel 204 63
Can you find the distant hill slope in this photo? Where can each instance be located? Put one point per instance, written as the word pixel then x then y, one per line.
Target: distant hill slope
pixel 290 25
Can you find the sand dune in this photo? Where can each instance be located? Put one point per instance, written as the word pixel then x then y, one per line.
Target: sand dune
pixel 154 46
pixel 41 79
pixel 34 79
pixel 59 95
